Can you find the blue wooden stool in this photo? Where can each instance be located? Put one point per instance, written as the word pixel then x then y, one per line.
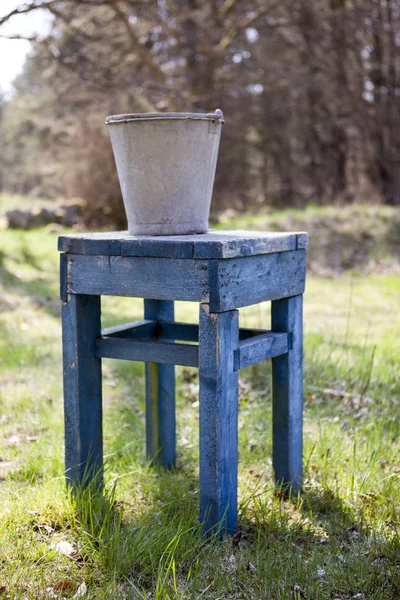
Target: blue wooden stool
pixel 223 271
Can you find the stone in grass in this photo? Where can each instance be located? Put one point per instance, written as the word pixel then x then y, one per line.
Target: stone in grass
pixel 63 547
pixel 81 591
pixel 61 213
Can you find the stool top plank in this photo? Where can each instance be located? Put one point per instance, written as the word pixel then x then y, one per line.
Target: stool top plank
pixel 214 244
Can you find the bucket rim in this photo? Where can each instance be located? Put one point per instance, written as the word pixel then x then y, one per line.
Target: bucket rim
pixel 217 115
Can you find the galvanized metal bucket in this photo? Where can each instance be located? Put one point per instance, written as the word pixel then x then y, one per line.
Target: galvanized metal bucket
pixel 166 167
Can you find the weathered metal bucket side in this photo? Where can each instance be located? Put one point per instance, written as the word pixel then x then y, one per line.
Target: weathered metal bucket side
pixel 166 166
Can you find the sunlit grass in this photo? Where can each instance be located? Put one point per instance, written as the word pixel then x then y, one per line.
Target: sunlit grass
pixel 340 539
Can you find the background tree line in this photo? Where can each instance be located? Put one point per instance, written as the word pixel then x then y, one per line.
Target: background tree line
pixel 310 91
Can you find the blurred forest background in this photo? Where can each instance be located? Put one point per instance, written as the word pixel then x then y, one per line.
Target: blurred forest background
pixel 310 90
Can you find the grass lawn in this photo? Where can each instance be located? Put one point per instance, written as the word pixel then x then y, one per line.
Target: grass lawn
pixel 339 540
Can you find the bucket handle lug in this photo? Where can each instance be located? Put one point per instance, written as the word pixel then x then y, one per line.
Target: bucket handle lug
pixel 217 118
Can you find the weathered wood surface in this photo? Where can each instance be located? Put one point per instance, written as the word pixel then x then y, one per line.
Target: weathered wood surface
pixel 244 281
pixel 255 345
pixel 287 386
pixel 147 351
pixel 214 244
pixel 160 396
pixel 235 244
pixel 162 278
pixel 102 242
pixel 302 240
pixel 82 390
pixel 261 347
pixel 219 338
pixel 226 284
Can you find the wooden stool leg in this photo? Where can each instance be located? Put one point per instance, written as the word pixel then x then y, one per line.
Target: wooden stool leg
pixel 287 374
pixel 218 338
pixel 160 396
pixel 82 390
